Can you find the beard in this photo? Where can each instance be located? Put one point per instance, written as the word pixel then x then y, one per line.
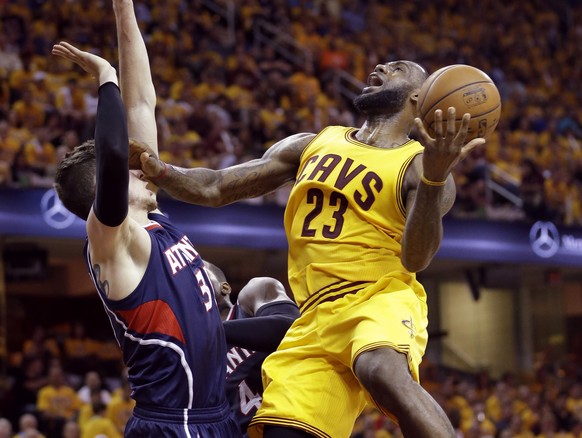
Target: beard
pixel 151 205
pixel 142 201
pixel 385 102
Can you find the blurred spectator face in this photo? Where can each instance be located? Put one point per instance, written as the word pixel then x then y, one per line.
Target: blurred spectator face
pixel 71 139
pixel 27 96
pixel 61 153
pixel 5 428
pixel 28 421
pixel 71 430
pixel 92 380
pixel 34 368
pixel 56 376
pixel 4 127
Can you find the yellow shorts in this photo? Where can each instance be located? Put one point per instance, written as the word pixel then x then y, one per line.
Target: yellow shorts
pixel 309 381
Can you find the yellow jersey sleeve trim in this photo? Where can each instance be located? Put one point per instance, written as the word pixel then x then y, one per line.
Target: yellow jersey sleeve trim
pixel 348 137
pixel 313 140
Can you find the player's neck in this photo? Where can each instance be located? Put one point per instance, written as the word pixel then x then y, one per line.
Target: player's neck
pixel 224 311
pixel 139 215
pixel 382 132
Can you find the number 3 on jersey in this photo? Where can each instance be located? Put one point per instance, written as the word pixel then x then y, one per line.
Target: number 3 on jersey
pixel 205 290
pixel 248 399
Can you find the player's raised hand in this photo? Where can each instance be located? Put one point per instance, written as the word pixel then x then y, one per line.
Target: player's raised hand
pixel 447 148
pixel 96 66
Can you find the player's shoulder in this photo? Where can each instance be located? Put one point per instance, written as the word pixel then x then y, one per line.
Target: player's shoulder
pixel 292 146
pixel 260 291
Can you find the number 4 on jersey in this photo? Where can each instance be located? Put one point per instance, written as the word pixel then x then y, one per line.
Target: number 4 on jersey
pixel 248 399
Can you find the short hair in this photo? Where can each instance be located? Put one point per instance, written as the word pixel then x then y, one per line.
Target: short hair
pixel 75 179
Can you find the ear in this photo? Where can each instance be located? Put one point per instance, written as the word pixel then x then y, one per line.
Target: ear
pixel 225 289
pixel 414 95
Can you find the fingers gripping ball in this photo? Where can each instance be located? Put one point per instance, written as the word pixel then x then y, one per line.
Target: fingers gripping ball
pixel 466 88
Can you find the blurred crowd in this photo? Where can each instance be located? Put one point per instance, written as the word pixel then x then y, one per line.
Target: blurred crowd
pixel 64 383
pixel 225 94
pixel 545 404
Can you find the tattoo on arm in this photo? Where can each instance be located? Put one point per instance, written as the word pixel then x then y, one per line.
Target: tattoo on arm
pixel 104 285
pixel 250 179
pixel 240 182
pixel 245 184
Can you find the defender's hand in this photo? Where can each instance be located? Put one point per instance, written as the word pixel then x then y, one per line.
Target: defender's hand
pixel 92 64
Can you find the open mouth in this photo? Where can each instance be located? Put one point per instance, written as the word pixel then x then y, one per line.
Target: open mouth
pixel 374 80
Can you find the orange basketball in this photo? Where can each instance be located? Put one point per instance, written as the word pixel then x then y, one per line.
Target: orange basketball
pixel 466 88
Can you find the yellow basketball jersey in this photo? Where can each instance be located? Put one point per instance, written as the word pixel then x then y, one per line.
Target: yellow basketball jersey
pixel 346 216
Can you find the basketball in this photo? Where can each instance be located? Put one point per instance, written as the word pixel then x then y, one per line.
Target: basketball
pixel 466 88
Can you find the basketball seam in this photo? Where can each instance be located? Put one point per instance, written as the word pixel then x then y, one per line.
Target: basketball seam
pixel 452 92
pixel 474 116
pixel 431 85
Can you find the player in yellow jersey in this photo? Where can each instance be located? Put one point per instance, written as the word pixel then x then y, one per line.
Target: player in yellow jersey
pixel 364 215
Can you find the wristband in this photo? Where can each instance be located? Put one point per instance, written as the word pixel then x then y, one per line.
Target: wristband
pixel 428 182
pixel 162 174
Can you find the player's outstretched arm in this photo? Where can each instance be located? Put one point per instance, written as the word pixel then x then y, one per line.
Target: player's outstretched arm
pixel 116 243
pixel 111 138
pixel 273 313
pixel 215 188
pixel 96 66
pixel 137 88
pixel 431 188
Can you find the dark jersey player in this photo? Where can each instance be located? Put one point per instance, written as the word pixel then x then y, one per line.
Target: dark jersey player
pixel 152 282
pixel 254 327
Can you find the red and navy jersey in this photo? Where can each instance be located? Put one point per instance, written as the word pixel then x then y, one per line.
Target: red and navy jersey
pixel 244 387
pixel 169 327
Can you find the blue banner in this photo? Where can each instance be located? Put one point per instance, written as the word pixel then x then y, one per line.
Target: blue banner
pixel 39 213
pixel 511 242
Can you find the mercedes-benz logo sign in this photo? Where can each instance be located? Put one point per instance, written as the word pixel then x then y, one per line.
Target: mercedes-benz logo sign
pixel 54 212
pixel 545 239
